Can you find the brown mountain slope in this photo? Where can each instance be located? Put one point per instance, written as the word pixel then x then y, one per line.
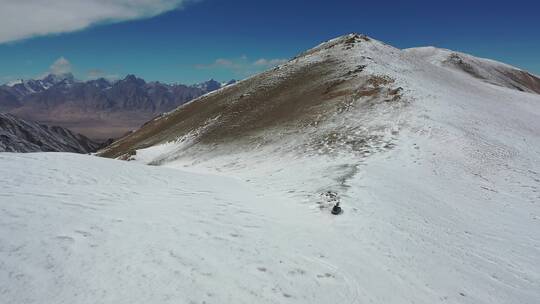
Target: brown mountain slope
pixel 292 97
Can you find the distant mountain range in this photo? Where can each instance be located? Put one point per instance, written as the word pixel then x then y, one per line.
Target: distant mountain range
pixel 99 109
pixel 17 135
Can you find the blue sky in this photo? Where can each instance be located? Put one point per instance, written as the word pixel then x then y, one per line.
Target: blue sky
pixel 188 42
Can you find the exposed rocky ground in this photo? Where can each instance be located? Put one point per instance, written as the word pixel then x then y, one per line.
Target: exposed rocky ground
pixel 17 135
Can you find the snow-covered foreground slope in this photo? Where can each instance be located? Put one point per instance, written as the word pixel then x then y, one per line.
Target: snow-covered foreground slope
pixel 80 229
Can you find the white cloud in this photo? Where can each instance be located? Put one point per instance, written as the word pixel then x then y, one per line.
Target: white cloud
pixel 95 73
pixel 269 62
pixel 221 62
pixel 243 66
pixel 60 66
pixel 20 19
pixel 98 73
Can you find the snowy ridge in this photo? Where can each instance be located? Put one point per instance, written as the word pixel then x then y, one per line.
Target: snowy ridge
pixel 487 70
pixel 14 82
pixel 32 86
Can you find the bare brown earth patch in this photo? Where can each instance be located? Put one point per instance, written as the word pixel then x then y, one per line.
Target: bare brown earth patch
pixel 242 109
pixel 291 98
pixel 526 79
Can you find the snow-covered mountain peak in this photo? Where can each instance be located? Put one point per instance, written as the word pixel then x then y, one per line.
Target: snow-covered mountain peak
pixel 210 85
pixel 349 43
pixel 14 82
pixel 26 87
pixel 57 78
pixel 213 85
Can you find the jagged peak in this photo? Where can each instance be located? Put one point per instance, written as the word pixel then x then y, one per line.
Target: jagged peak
pixel 15 82
pixel 54 78
pixel 131 78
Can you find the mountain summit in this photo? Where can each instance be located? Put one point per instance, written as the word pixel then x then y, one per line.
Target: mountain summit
pixel 22 88
pixel 337 97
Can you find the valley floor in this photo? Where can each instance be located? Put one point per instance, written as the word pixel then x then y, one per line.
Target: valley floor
pixel 81 229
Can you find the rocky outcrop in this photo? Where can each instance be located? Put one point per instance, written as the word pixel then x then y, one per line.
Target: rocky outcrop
pixel 17 135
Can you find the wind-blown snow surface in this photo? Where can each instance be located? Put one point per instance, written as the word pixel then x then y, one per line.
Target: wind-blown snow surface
pixel 80 229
